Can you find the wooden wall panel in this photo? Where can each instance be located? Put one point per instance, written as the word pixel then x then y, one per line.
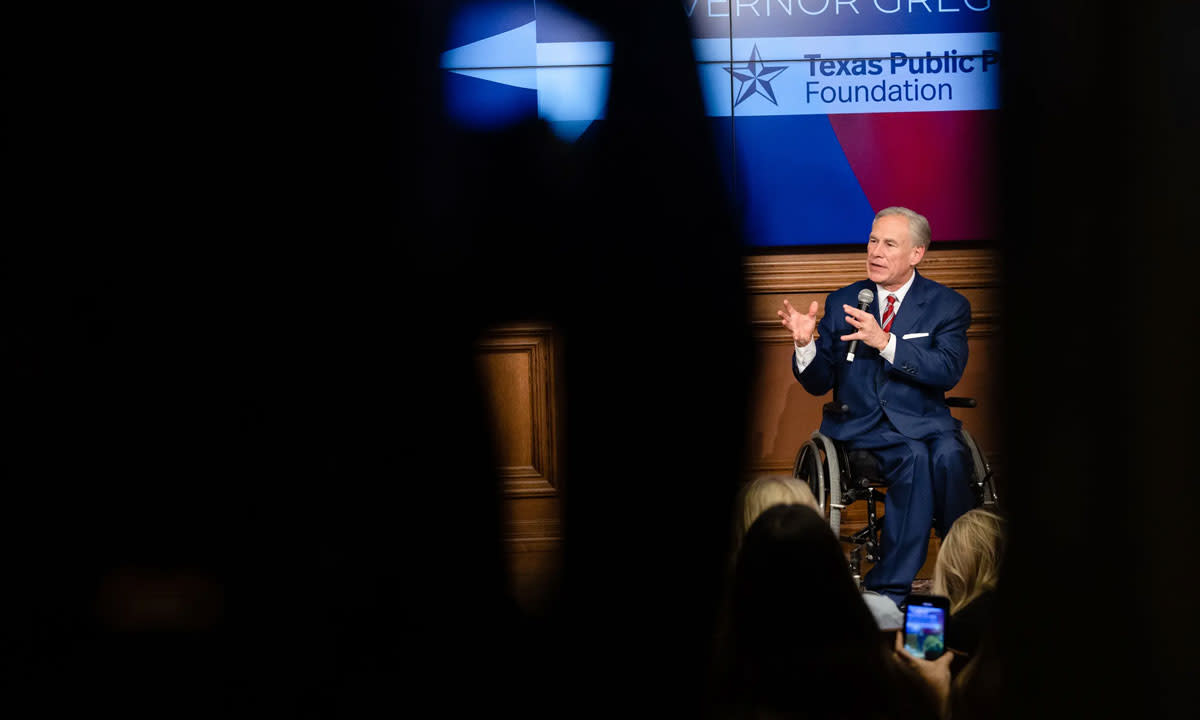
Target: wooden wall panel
pixel 517 364
pixel 517 367
pixel 533 545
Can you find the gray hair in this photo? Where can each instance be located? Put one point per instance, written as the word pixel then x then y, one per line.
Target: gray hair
pixel 918 225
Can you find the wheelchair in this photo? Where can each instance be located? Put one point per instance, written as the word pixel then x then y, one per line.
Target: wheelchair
pixel 839 477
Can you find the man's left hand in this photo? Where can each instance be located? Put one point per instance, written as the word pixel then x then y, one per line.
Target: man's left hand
pixel 868 331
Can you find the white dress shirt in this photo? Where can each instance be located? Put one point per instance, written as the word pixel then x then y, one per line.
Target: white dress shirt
pixel 806 354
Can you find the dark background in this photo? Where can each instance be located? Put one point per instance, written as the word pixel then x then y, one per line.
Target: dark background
pixel 224 380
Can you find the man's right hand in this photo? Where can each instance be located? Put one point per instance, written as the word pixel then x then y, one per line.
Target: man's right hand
pixel 802 326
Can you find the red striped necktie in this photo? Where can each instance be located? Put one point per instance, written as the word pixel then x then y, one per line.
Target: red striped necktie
pixel 889 315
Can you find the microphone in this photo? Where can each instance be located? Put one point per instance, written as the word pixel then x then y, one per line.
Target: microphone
pixel 865 297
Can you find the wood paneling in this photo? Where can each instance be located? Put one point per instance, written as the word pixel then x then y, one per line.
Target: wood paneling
pixel 518 363
pixel 533 545
pixel 517 367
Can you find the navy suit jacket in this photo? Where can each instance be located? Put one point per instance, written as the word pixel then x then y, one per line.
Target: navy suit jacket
pixel 911 391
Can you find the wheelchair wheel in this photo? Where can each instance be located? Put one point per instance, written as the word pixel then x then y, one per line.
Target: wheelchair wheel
pixel 985 491
pixel 817 464
pixel 833 480
pixel 810 468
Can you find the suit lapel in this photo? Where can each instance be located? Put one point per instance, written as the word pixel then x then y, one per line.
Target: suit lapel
pixel 913 307
pixel 858 287
pixel 874 307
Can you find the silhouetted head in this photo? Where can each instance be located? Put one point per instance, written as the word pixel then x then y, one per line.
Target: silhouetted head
pixel 764 492
pixel 800 626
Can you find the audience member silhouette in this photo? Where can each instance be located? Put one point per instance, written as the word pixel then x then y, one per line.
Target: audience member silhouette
pixel 768 490
pixel 967 680
pixel 249 395
pixel 802 644
pixel 967 572
pixel 976 690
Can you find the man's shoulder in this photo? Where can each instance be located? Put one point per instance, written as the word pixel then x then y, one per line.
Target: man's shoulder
pixel 942 293
pixel 932 285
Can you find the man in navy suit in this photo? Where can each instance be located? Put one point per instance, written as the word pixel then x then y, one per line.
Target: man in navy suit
pixel 894 388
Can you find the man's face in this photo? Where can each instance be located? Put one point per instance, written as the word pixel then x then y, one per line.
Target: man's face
pixel 890 252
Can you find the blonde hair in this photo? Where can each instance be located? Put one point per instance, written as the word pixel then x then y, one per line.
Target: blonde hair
pixel 968 563
pixel 767 491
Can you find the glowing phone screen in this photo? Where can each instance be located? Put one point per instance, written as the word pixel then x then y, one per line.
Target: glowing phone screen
pixel 924 631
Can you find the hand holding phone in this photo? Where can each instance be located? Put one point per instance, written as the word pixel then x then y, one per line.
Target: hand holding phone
pixel 925 625
pixel 935 673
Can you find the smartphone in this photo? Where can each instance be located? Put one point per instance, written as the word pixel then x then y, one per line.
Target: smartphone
pixel 925 625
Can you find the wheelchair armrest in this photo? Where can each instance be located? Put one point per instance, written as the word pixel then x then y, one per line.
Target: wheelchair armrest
pixel 836 409
pixel 963 402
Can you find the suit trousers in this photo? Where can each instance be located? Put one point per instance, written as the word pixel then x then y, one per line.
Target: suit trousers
pixel 928 485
